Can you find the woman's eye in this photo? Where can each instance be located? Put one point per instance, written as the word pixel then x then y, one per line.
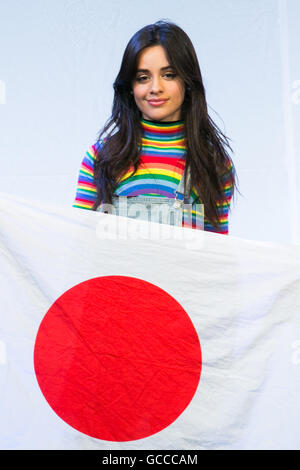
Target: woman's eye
pixel 170 75
pixel 142 78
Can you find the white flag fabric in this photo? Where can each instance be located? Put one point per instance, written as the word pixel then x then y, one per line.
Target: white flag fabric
pixel 117 336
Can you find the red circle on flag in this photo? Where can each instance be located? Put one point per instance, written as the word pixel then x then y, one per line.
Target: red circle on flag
pixel 117 358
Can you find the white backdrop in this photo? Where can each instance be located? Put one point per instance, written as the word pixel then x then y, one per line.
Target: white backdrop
pixel 59 58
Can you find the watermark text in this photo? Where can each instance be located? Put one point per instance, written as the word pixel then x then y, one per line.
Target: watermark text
pixel 2 92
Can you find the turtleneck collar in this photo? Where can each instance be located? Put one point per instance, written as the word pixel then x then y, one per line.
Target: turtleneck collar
pixel 163 130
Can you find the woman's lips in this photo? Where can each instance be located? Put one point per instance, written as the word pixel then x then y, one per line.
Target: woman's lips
pixel 156 102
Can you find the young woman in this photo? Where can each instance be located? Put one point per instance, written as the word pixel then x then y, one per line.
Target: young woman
pixel 160 144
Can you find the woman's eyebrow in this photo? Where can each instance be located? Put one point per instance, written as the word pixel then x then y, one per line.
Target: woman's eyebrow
pixel 162 69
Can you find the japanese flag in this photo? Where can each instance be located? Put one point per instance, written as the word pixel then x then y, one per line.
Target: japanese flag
pixel 118 334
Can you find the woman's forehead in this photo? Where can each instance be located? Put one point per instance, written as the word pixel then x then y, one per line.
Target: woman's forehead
pixel 153 57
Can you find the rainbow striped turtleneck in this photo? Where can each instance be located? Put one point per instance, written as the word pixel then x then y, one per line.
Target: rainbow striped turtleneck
pixel 162 162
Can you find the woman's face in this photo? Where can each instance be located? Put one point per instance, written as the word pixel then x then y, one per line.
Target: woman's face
pixel 157 90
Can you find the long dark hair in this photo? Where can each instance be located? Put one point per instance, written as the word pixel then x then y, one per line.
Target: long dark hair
pixel 207 147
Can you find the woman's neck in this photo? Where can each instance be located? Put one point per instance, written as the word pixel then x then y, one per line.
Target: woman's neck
pixel 180 121
pixel 163 130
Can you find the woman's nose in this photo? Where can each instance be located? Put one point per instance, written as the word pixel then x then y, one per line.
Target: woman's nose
pixel 156 85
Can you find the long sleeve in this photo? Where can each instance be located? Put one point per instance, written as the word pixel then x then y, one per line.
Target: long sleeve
pixel 86 191
pixel 224 204
pixel 159 173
